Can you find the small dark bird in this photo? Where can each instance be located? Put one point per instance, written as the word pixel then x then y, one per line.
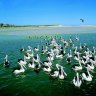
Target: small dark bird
pixel 82 20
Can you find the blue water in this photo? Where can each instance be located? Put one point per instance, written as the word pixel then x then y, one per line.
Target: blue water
pixel 30 83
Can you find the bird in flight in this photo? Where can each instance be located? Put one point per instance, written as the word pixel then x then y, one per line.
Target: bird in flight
pixel 82 20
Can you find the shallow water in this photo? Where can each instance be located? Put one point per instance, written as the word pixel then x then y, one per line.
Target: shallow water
pixel 46 30
pixel 41 84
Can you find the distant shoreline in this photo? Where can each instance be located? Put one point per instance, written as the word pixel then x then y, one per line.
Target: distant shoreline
pixel 29 30
pixel 42 26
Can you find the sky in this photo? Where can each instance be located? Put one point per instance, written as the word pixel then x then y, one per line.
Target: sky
pixel 44 12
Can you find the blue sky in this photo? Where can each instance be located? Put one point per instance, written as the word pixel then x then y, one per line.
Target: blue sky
pixel 40 12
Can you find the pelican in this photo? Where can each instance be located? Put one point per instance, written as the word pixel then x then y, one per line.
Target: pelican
pixel 44 50
pixel 68 60
pixel 29 49
pixel 87 76
pixel 60 56
pixel 77 38
pixel 62 73
pixel 31 64
pixel 65 44
pixel 22 49
pixel 37 67
pixel 77 81
pixel 19 70
pixel 6 62
pixel 22 62
pixel 94 50
pixel 50 57
pixel 36 58
pixel 31 54
pixel 76 57
pixel 77 67
pixel 54 73
pixel 36 48
pixel 89 65
pixel 46 68
pixel 70 41
pixel 47 63
pixel 27 57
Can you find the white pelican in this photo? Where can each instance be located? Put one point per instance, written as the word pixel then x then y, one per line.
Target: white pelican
pixel 47 63
pixel 77 81
pixel 31 64
pixel 54 73
pixel 22 62
pixel 77 67
pixel 87 76
pixel 36 58
pixel 27 57
pixel 60 56
pixel 22 49
pixel 62 73
pixel 6 62
pixel 68 60
pixel 44 50
pixel 76 57
pixel 29 49
pixel 46 68
pixel 19 70
pixel 36 48
pixel 77 38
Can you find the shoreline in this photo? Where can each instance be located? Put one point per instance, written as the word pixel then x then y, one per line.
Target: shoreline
pixel 51 26
pixel 47 30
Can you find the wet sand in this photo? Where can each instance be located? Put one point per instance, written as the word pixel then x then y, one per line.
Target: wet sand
pixel 47 30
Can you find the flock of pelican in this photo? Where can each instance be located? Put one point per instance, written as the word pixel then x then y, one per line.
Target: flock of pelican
pixel 55 49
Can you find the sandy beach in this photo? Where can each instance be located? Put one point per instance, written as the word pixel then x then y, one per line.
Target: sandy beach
pixel 47 30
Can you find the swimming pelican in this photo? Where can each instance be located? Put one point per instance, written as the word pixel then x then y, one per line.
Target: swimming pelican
pixel 22 62
pixel 77 81
pixel 44 50
pixel 36 58
pixel 29 49
pixel 90 66
pixel 36 48
pixel 46 68
pixel 22 49
pixel 31 64
pixel 27 57
pixel 62 73
pixel 77 38
pixel 70 41
pixel 54 73
pixel 19 70
pixel 47 63
pixel 87 76
pixel 76 57
pixel 77 67
pixel 6 62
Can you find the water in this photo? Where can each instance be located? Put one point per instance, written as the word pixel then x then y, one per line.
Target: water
pixel 31 83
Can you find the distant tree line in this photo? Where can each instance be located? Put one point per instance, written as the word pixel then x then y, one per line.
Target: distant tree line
pixel 12 25
pixel 6 25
